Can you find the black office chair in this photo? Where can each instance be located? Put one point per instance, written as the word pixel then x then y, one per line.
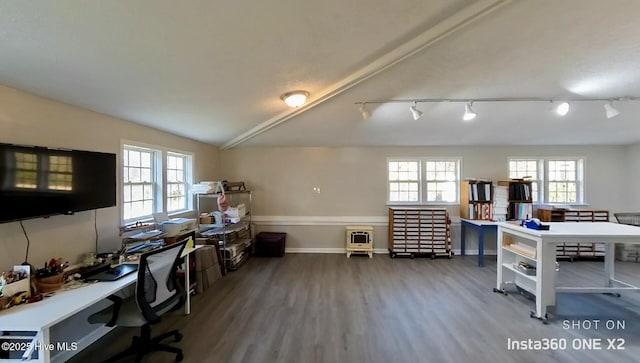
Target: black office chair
pixel 157 292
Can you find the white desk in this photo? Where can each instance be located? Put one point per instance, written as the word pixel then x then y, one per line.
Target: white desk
pixel 41 316
pixel 543 284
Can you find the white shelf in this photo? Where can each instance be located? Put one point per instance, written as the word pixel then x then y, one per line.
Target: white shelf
pixel 510 267
pixel 204 227
pixel 519 253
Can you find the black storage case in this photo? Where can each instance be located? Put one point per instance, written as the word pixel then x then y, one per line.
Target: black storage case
pixel 270 244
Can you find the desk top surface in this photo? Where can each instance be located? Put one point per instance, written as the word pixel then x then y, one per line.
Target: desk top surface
pixel 479 222
pixel 60 306
pixel 579 229
pixel 51 310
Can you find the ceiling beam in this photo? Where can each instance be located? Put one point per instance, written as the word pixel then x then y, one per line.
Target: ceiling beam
pixel 429 37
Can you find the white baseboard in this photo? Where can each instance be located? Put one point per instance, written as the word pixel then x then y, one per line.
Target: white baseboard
pixel 456 252
pixel 377 251
pixel 315 250
pixel 319 220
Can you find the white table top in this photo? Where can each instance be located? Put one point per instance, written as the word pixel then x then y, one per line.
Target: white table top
pixel 480 222
pixel 51 310
pixel 580 230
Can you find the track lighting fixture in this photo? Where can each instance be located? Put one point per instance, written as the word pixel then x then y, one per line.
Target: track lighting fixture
pixel 415 112
pixel 366 114
pixel 468 112
pixel 610 111
pixel 562 108
pixel 295 98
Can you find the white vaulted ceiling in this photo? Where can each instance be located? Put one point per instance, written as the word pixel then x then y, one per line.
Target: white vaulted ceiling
pixel 214 71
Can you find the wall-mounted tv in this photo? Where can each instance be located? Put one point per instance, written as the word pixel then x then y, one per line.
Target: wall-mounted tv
pixel 39 181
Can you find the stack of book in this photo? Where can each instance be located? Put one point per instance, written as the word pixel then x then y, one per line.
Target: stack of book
pixel 500 203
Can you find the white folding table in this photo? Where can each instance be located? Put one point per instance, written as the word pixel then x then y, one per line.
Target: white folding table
pixel 542 254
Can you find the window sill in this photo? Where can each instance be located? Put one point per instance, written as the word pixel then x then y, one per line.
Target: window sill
pixel 182 213
pixel 562 205
pixel 179 214
pixel 432 204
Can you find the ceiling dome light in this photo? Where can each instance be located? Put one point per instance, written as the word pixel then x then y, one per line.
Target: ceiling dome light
pixel 365 113
pixel 468 112
pixel 295 98
pixel 563 108
pixel 610 111
pixel 415 112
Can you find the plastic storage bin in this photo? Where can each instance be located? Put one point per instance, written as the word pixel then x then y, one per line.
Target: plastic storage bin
pixel 270 244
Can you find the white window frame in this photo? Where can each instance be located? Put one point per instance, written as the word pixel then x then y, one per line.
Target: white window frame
pixel 543 177
pixel 580 182
pixel 186 180
pixel 155 183
pixel 418 181
pixel 422 180
pixel 159 160
pixel 458 164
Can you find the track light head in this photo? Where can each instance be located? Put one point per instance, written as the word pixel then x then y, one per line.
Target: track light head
pixel 562 108
pixel 366 114
pixel 610 111
pixel 469 114
pixel 415 112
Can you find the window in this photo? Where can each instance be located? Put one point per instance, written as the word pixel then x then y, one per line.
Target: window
pixel 407 184
pixel 522 168
pixel 38 171
pixel 176 182
pixel 60 174
pixel 553 180
pixel 442 181
pixel 565 181
pixel 154 181
pixel 26 170
pixel 140 183
pixel 404 181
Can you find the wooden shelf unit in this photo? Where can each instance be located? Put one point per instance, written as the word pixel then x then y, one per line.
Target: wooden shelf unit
pixel 520 194
pixel 476 197
pixel 414 231
pixel 575 250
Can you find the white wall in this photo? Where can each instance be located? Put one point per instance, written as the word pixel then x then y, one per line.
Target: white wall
pixel 352 181
pixel 32 120
pixel 632 161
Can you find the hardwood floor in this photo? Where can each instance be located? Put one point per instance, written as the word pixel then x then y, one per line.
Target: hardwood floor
pixel 327 308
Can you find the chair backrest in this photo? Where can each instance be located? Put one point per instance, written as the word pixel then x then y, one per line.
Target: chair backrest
pixel 158 289
pixel 628 218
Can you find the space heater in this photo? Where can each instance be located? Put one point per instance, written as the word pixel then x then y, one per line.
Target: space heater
pixel 360 240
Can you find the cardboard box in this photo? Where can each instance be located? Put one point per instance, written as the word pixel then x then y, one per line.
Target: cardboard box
pixel 176 226
pixel 238 211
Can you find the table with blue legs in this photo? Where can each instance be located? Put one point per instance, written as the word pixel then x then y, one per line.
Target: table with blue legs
pixel 480 226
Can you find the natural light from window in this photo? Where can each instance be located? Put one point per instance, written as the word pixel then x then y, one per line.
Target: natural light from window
pixel 442 181
pixel 526 168
pixel 176 182
pixel 404 181
pixel 139 183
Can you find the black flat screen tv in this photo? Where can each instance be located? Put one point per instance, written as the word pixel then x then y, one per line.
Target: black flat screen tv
pixel 40 182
